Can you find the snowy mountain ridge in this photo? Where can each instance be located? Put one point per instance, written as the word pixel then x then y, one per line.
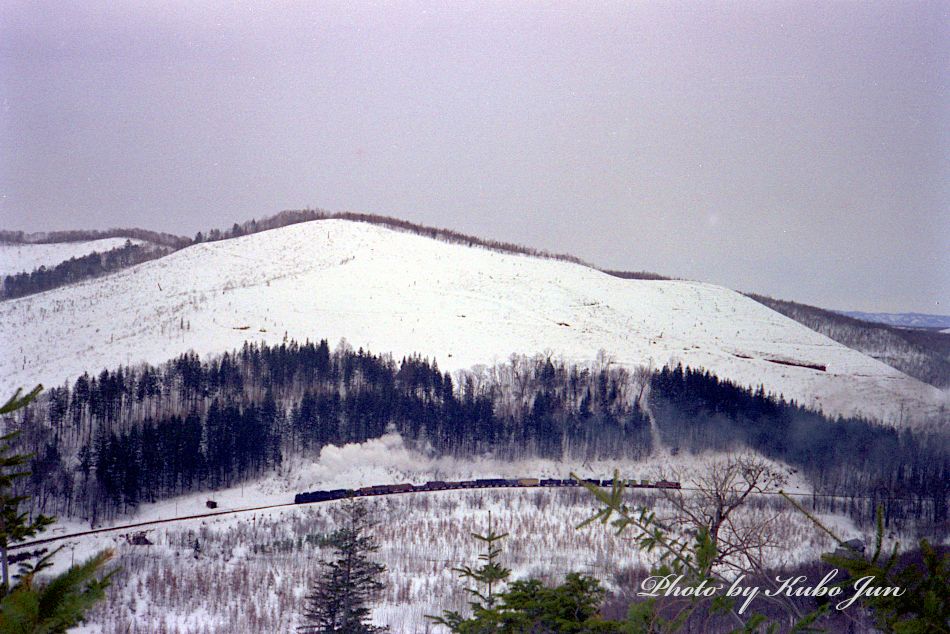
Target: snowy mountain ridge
pixel 24 258
pixel 392 291
pixel 903 320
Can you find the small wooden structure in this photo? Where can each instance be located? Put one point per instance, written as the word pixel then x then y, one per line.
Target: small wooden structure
pixel 138 539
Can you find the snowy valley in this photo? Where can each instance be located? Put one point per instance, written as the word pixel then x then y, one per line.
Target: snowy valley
pixel 217 356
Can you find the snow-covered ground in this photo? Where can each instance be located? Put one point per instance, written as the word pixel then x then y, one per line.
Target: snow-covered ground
pixel 18 258
pixel 254 570
pixel 398 292
pixel 254 567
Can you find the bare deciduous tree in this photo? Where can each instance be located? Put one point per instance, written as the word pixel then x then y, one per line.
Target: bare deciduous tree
pixel 712 500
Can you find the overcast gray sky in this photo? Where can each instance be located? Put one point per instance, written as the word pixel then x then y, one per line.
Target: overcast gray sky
pixel 792 148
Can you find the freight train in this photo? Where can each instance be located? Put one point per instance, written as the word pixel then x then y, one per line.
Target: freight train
pixel 486 483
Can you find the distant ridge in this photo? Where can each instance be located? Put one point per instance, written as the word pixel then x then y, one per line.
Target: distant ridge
pixel 903 320
pixel 85 235
pixel 923 353
pixel 296 216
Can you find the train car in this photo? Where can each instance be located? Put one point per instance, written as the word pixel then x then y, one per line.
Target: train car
pixel 385 489
pixel 442 485
pixel 493 482
pixel 322 496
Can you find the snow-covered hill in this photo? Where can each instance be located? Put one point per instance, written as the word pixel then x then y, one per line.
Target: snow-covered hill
pixel 18 258
pixel 400 292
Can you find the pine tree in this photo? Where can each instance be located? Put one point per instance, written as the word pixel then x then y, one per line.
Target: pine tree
pixel 340 597
pixel 526 605
pixel 14 526
pixel 487 577
pixel 923 605
pixel 31 606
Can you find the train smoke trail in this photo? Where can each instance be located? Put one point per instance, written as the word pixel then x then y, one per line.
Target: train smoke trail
pixel 643 401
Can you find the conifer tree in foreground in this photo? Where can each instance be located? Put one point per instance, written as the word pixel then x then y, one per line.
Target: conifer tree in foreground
pixel 14 526
pixel 923 604
pixel 31 606
pixel 526 605
pixel 339 602
pixel 487 578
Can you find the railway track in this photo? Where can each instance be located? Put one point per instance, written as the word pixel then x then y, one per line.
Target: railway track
pixel 357 493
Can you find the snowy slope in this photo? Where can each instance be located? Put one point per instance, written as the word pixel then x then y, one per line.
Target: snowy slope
pixel 400 292
pixel 16 258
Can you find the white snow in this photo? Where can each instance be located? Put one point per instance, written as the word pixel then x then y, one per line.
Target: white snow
pixel 17 258
pixel 391 291
pixel 259 562
pixel 260 558
pixel 388 460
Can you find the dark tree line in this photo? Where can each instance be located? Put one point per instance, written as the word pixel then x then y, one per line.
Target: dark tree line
pixel 76 269
pixel 865 462
pixel 85 235
pixel 111 441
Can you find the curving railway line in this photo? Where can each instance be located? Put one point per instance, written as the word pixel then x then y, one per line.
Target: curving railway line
pixel 313 497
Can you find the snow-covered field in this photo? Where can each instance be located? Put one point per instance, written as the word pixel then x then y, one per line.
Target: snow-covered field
pixel 254 567
pixel 18 258
pixel 398 292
